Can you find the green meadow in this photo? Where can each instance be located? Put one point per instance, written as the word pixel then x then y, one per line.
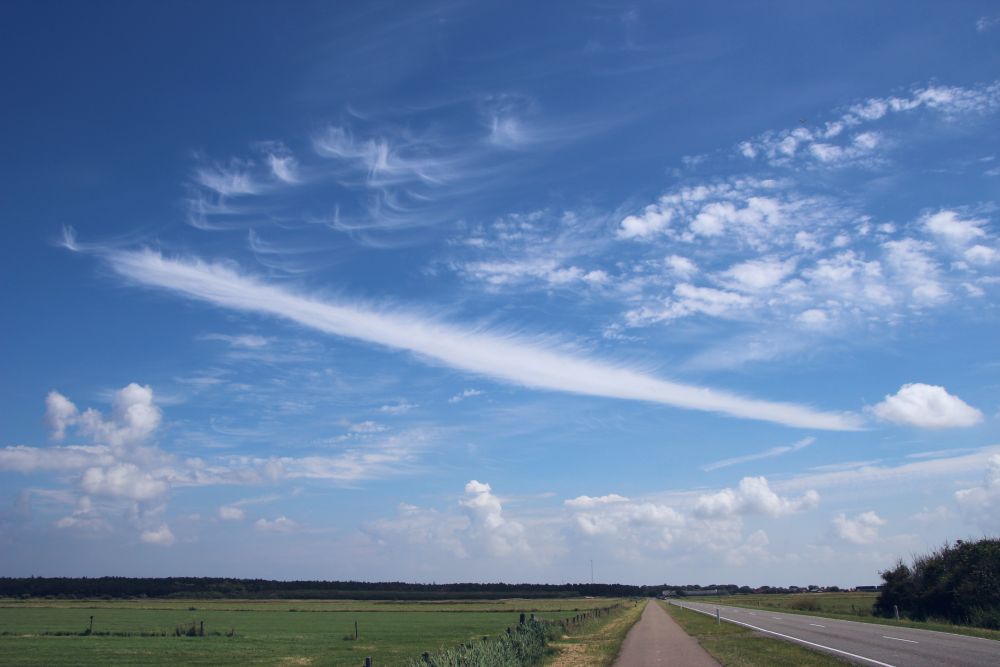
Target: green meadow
pixel 283 632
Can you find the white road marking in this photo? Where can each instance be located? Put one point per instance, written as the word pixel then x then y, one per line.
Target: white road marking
pixel 794 639
pixel 909 641
pixel 817 625
pixel 777 618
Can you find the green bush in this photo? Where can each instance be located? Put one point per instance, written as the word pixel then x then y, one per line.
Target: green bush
pixel 959 583
pixel 520 646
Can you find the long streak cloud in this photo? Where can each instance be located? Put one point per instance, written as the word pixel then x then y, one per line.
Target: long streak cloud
pixel 506 358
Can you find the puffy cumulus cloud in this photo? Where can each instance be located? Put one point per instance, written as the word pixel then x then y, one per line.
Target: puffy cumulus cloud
pixel 980 255
pixel 161 536
pixel 231 513
pixel 748 209
pixel 281 524
pixel 982 503
pixel 952 228
pixel 651 221
pixel 926 406
pixel 134 418
pixel 758 274
pixel 123 480
pixel 59 414
pixel 629 527
pixel 651 524
pixel 682 267
pixel 753 495
pixel 488 529
pixel 476 527
pixel 861 529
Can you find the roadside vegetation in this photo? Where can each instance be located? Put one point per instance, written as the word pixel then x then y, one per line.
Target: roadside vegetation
pixel 958 583
pixel 735 646
pixel 597 641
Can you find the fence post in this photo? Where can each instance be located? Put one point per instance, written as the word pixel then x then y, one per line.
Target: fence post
pixel 895 608
pixel 368 661
pixel 90 630
pixel 521 621
pixel 355 630
pixel 718 617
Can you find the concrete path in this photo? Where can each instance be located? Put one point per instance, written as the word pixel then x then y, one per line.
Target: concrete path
pixel 657 640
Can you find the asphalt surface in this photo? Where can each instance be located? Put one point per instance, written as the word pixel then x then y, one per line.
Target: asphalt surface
pixel 865 643
pixel 657 640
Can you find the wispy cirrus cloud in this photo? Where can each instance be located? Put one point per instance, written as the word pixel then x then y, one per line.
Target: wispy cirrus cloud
pixel 507 358
pixel 766 454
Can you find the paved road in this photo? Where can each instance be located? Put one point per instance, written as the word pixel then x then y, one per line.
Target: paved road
pixel 657 640
pixel 867 643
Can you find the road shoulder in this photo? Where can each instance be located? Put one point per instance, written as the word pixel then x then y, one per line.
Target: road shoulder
pixel 735 646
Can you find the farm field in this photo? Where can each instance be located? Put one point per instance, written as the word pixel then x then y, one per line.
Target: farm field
pixel 279 632
pixel 847 605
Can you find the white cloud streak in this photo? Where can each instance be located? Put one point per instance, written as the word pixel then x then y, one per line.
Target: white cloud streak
pixel 766 454
pixel 507 358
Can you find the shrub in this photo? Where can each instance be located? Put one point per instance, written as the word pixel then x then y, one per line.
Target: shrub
pixel 959 583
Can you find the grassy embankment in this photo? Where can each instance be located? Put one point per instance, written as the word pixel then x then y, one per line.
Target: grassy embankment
pixel 844 606
pixel 595 644
pixel 736 646
pixel 285 632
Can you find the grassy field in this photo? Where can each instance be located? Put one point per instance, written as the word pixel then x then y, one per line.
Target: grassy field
pixel 736 646
pixel 846 606
pixel 285 632
pixel 853 605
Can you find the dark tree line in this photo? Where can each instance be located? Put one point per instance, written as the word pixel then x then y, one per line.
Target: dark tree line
pixel 216 587
pixel 211 587
pixel 959 583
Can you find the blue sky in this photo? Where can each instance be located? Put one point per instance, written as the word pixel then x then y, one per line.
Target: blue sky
pixel 467 291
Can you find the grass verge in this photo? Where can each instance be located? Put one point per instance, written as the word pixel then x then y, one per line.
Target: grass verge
pixel 596 644
pixel 937 626
pixel 736 646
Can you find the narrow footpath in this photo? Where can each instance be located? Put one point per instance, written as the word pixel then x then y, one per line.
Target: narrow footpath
pixel 657 640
